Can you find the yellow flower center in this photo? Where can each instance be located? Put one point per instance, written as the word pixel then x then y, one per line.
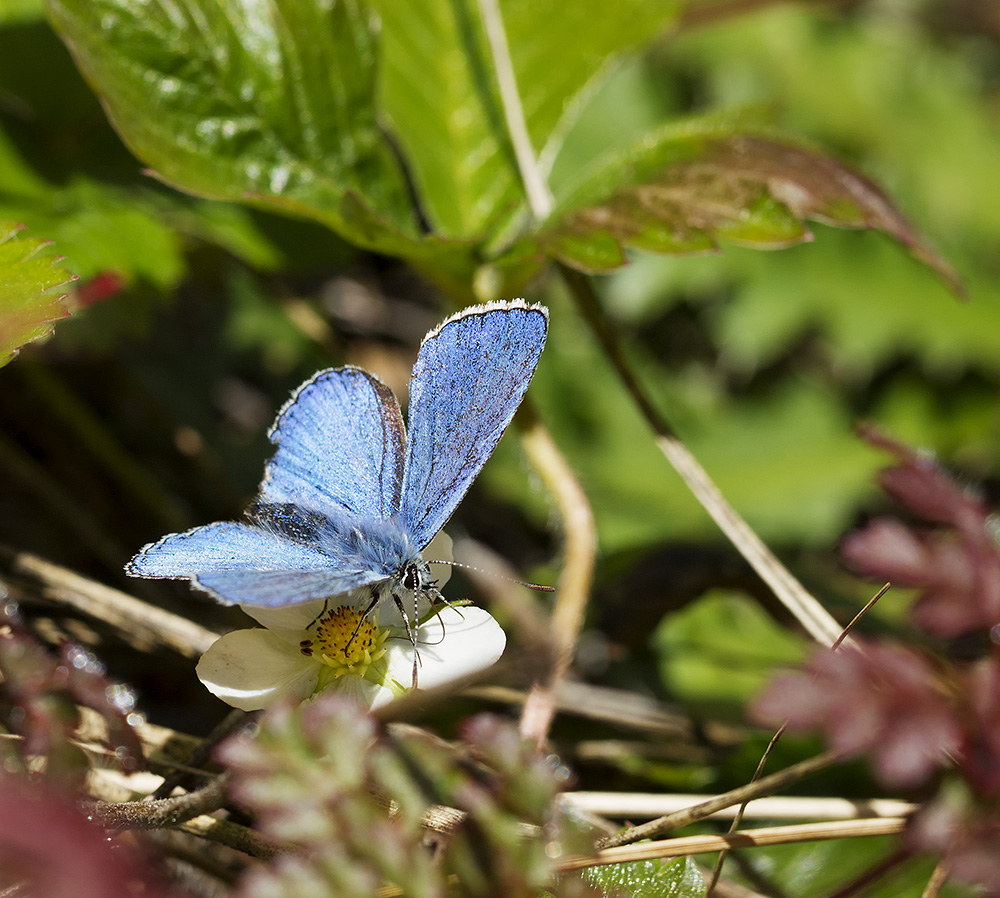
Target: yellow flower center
pixel 346 642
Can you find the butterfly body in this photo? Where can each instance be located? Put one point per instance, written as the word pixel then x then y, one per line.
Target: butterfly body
pixel 350 499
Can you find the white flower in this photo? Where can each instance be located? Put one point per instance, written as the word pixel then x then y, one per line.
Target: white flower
pixel 315 646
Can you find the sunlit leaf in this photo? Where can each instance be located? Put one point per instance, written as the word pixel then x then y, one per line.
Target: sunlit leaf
pixel 266 102
pixel 439 90
pixel 561 50
pixel 28 279
pixel 649 879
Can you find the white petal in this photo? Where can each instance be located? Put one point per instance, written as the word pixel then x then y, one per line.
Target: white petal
pixel 286 617
pixel 458 642
pixel 364 692
pixel 382 697
pixel 252 669
pixel 292 620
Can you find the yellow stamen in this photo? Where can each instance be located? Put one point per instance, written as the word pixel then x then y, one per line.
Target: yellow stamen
pixel 346 642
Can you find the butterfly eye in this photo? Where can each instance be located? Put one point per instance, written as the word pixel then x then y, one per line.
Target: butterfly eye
pixel 412 579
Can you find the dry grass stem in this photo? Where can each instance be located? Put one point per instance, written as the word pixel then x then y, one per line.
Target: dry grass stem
pixel 747 838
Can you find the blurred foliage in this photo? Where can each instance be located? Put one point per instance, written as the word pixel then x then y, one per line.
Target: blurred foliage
pixel 146 411
pixel 40 701
pixel 320 776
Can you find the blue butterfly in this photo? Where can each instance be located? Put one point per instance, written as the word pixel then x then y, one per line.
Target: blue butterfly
pixel 350 499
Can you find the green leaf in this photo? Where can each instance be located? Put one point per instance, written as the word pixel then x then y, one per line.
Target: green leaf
pixel 440 92
pixel 561 51
pixel 28 278
pixel 18 11
pixel 718 652
pixel 683 188
pixel 679 878
pixel 264 101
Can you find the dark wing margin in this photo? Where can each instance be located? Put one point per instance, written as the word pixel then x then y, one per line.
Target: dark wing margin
pixel 470 376
pixel 340 447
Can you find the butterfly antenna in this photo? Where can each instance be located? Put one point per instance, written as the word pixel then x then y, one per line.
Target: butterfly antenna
pixel 470 567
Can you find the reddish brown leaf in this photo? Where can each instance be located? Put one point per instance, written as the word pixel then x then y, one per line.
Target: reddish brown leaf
pixel 686 189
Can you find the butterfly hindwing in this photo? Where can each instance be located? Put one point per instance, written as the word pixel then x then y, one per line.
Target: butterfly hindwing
pixel 279 588
pixel 470 376
pixel 340 447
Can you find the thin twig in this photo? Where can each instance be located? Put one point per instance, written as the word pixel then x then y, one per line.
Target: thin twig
pixel 813 617
pixel 868 607
pixel 142 625
pixel 580 548
pixel 164 813
pixel 690 815
pixel 649 804
pixel 721 859
pixel 872 875
pixel 232 835
pixel 741 810
pixel 747 838
pixel 539 196
pixel 578 520
pixel 938 878
pixel 233 721
pixel 617 707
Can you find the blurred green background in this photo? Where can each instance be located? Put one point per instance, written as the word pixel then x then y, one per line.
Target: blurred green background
pixel 147 411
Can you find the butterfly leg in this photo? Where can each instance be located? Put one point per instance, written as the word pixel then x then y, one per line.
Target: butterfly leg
pixel 410 631
pixel 321 615
pixel 375 596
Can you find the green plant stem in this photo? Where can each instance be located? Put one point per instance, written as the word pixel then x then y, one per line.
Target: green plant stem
pixel 539 196
pixel 813 617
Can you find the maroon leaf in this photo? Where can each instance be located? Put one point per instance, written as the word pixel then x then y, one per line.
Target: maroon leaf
pixel 881 700
pixel 957 827
pixel 47 843
pixel 956 567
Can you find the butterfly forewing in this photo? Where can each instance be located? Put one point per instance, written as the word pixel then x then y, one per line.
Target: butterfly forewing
pixel 469 378
pixel 340 447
